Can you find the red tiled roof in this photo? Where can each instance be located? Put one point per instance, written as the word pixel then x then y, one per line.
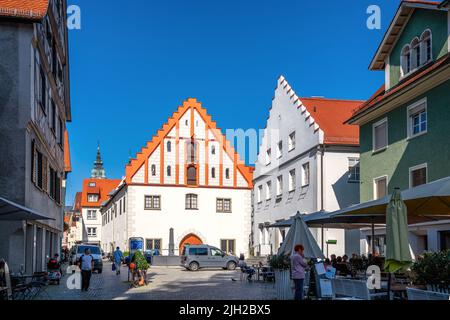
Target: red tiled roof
pixel 381 94
pixel 34 10
pixel 77 203
pixel 330 115
pixel 102 187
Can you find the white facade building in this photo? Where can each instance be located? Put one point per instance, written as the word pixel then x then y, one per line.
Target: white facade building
pixel 308 162
pixel 189 182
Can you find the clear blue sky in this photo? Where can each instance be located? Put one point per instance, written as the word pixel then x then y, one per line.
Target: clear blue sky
pixel 133 62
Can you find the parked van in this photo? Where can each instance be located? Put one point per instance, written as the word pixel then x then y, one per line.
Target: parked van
pixel 195 257
pixel 96 252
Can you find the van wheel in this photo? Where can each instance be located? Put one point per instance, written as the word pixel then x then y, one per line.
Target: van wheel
pixel 231 265
pixel 193 266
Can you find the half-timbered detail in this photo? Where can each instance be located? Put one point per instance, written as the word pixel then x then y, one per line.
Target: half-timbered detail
pixel 201 187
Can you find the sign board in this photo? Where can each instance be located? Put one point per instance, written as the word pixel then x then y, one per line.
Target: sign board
pixel 326 288
pixel 136 244
pixel 331 241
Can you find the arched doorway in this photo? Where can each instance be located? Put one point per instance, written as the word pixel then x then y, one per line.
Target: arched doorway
pixel 190 239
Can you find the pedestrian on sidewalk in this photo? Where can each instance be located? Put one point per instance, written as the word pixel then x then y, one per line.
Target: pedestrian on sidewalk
pixel 118 257
pixel 86 264
pixel 298 266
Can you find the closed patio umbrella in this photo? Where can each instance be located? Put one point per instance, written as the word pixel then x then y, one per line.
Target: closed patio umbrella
pixel 398 255
pixel 299 233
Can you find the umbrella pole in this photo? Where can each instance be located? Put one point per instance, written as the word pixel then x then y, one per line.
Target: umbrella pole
pixel 373 238
pixel 322 240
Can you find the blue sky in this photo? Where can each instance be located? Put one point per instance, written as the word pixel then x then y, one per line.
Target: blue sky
pixel 134 62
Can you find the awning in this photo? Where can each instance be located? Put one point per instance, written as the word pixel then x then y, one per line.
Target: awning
pixel 425 203
pixel 321 219
pixel 10 211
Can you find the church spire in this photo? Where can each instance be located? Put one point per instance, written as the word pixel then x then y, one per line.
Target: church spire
pixel 98 172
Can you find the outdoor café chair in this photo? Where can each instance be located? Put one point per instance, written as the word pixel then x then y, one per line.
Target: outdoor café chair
pixel 417 294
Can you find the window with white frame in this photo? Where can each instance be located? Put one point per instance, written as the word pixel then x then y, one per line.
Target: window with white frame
pixel 305 174
pixel 268 156
pixel 418 175
pixel 416 59
pixel 279 149
pixel 426 47
pixel 417 118
pixel 268 190
pixel 380 135
pixel 291 141
pixel 91 232
pixel 353 170
pixel 259 194
pixel 92 214
pixel 292 180
pixel 405 60
pixel 92 197
pixel 279 186
pixel 380 187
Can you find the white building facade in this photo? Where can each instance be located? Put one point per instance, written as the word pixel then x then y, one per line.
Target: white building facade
pixel 186 186
pixel 308 162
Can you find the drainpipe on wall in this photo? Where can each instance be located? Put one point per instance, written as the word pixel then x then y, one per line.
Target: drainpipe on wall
pixel 322 152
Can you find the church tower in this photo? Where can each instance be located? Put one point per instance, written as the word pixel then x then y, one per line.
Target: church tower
pixel 98 172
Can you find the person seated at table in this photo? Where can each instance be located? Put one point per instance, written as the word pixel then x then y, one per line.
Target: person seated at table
pixel 341 267
pixel 242 264
pixel 333 260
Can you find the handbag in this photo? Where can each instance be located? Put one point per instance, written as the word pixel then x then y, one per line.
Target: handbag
pixel 113 267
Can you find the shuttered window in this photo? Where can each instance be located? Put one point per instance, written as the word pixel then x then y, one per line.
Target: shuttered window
pixel 380 135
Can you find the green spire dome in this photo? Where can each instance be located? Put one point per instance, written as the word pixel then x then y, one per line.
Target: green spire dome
pixel 98 172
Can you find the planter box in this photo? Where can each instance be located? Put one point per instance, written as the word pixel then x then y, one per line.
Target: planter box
pixel 283 285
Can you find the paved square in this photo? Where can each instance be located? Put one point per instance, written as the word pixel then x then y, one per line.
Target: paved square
pixel 166 283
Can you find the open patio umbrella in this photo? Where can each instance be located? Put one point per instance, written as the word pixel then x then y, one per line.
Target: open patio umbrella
pixel 398 254
pixel 299 233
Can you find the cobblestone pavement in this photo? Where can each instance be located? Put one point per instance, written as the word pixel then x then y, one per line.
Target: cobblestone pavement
pixel 166 283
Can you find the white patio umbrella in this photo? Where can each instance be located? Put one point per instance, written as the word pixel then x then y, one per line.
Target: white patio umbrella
pixel 299 233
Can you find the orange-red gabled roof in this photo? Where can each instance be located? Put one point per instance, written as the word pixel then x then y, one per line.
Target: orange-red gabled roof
pixel 102 187
pixel 330 115
pixel 77 202
pixel 327 115
pixel 34 10
pixel 67 162
pixel 139 161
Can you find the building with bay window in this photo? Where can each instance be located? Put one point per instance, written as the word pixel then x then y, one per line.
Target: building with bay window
pixel 186 186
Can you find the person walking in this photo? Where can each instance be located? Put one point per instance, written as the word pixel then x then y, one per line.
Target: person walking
pixel 118 257
pixel 86 264
pixel 298 267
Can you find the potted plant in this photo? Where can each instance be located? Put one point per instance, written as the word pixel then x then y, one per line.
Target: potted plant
pixel 281 266
pixel 140 265
pixel 432 270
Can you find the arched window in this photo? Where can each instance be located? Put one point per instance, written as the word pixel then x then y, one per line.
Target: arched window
pixel 169 146
pixel 227 173
pixel 416 60
pixel 213 173
pixel 153 170
pixel 406 60
pixel 169 171
pixel 426 46
pixel 191 201
pixel 192 175
pixel 191 151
